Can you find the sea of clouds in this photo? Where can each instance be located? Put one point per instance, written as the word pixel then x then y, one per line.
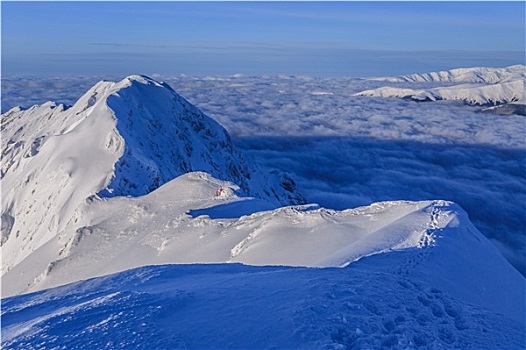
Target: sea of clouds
pixel 346 151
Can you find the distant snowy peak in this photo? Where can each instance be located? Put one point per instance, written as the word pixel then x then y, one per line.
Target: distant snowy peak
pixel 476 86
pixel 475 94
pixel 480 75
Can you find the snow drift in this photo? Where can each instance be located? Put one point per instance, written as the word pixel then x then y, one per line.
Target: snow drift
pixel 184 222
pixel 246 307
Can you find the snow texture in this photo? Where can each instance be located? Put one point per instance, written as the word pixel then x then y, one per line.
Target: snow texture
pixel 363 306
pixel 119 139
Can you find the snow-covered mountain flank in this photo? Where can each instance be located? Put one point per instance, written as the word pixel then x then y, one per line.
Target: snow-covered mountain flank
pixel 480 75
pixel 119 139
pixel 479 86
pixel 133 175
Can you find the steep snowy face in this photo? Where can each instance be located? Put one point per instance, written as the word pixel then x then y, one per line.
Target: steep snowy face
pixel 477 86
pixel 124 138
pixel 165 136
pixel 52 160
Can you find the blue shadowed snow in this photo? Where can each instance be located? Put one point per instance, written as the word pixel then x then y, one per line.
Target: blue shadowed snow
pixel 234 209
pixel 242 207
pixel 236 306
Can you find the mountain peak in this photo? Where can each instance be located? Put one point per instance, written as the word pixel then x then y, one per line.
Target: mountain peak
pixel 119 139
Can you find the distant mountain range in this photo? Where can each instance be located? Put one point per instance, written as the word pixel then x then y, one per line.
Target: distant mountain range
pixel 477 86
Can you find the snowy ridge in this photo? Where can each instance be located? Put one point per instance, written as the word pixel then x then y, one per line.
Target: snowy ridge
pixel 124 138
pixel 477 86
pixel 442 285
pixel 184 222
pixel 479 75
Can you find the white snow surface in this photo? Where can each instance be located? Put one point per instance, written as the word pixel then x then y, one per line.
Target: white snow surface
pixel 119 139
pixel 231 306
pixel 477 86
pixel 184 222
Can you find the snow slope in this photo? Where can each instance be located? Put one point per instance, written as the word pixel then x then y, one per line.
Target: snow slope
pixel 173 224
pixel 232 306
pixel 119 139
pixel 477 86
pixel 412 275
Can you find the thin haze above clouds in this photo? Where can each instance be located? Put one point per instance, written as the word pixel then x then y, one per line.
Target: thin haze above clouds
pixel 314 38
pixel 346 151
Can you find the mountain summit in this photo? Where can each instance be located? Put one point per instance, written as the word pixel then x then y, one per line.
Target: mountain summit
pixel 119 139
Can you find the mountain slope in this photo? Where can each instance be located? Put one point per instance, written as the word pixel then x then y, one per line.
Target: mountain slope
pixel 119 139
pixel 477 86
pixel 133 175
pixel 233 306
pixel 184 222
pixel 416 275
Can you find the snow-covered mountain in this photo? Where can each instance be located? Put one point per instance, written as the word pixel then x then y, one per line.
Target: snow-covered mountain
pixel 416 275
pixel 184 222
pixel 479 75
pixel 133 175
pixel 477 86
pixel 119 139
pixel 425 278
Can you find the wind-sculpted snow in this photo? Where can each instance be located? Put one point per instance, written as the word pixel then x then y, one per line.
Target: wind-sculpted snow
pixel 233 306
pixel 414 277
pixel 174 224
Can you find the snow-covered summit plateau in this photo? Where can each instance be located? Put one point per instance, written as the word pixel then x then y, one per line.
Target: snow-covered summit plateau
pixel 478 86
pixel 133 175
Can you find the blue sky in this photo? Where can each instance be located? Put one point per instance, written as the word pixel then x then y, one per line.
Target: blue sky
pixel 300 38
